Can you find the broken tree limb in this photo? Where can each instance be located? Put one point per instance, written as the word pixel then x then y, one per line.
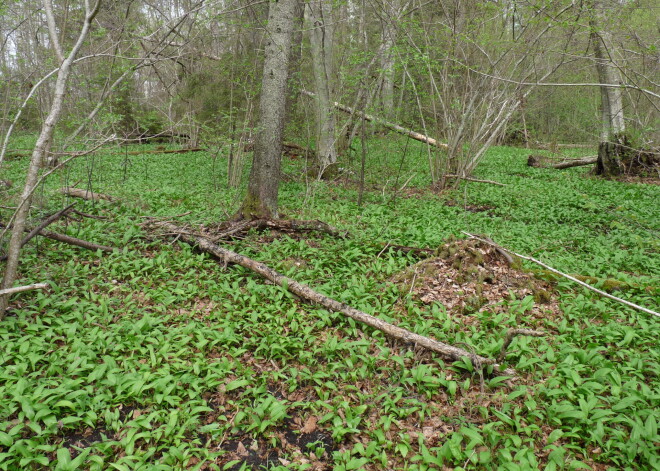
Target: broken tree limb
pixel 539 162
pixel 85 194
pixel 468 179
pixel 572 278
pixel 394 127
pixel 575 163
pixel 45 223
pixel 511 334
pixel 303 291
pixel 75 241
pixel 20 289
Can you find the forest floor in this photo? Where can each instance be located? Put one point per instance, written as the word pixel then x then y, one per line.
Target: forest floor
pixel 157 356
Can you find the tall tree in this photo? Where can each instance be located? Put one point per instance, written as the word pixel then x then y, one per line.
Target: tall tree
pixel 321 40
pixel 261 198
pixel 612 115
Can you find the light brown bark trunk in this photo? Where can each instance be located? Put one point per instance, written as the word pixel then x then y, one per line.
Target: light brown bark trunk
pixel 319 15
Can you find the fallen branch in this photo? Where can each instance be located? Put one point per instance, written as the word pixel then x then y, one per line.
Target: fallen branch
pixel 511 334
pixel 45 223
pixel 475 180
pixel 20 289
pixel 305 292
pixel 394 127
pixel 572 278
pixel 75 241
pixel 576 163
pixel 85 194
pixel 539 162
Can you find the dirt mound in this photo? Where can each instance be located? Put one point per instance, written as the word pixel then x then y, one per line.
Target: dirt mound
pixel 469 276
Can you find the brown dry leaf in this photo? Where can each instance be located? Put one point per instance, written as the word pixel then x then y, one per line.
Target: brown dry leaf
pixel 310 424
pixel 428 432
pixel 241 450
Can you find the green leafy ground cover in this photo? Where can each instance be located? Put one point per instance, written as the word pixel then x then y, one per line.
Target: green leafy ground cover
pixel 158 357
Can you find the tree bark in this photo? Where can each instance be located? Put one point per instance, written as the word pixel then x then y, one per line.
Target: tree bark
pixel 38 156
pixel 303 291
pixel 321 39
pixel 388 40
pixel 261 198
pixel 612 115
pixel 575 163
pixel 537 161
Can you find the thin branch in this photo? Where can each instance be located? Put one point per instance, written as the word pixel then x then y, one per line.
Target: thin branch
pixel 20 289
pixel 572 278
pixel 52 30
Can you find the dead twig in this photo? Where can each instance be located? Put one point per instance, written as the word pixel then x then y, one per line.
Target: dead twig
pixel 572 278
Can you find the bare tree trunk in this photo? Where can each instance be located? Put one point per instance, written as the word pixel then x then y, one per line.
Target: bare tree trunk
pixel 388 40
pixel 612 114
pixel 261 198
pixel 39 154
pixel 319 14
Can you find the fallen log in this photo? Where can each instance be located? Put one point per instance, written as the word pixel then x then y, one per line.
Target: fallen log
pixel 539 162
pixel 20 289
pixel 85 194
pixel 576 163
pixel 305 292
pixel 394 127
